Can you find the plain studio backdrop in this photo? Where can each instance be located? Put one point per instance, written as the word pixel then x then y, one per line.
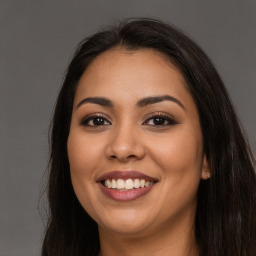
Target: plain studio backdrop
pixel 37 40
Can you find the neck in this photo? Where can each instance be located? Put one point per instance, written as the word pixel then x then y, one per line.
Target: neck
pixel 176 240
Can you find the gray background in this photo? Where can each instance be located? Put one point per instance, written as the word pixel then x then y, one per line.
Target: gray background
pixel 37 39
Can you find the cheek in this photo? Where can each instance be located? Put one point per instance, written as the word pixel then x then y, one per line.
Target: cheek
pixel 180 160
pixel 179 156
pixel 83 160
pixel 83 153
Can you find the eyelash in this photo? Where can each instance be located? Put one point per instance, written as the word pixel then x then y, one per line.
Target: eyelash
pixel 85 121
pixel 162 117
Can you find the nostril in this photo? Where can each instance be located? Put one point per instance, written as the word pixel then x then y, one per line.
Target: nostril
pixel 131 156
pixel 125 153
pixel 123 157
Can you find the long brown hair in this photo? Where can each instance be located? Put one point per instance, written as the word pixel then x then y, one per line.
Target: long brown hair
pixel 226 212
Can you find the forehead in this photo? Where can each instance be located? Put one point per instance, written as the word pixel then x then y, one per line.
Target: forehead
pixel 128 75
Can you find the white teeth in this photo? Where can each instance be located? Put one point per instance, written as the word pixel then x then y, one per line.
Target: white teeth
pixel 108 183
pixel 128 184
pixel 113 183
pixel 120 184
pixel 146 183
pixel 136 183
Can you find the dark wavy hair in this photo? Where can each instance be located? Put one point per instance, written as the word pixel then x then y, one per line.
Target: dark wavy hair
pixel 226 212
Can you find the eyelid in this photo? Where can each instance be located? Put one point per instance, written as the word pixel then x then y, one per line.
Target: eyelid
pixel 164 115
pixel 168 117
pixel 94 115
pixel 158 113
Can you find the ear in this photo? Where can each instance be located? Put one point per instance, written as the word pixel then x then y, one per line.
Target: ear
pixel 206 172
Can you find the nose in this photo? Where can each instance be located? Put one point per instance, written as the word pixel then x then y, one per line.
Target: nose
pixel 125 145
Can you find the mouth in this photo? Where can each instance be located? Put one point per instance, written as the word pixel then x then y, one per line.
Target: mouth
pixel 125 186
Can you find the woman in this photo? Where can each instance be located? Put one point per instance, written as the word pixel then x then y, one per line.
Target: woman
pixel 147 156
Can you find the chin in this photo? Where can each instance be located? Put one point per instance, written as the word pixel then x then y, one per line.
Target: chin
pixel 128 223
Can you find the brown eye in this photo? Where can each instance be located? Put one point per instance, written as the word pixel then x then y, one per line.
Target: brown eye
pixel 160 120
pixel 98 121
pixel 95 121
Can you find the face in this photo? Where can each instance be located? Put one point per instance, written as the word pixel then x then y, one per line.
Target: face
pixel 135 145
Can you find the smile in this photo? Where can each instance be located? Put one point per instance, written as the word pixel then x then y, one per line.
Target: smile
pixel 125 186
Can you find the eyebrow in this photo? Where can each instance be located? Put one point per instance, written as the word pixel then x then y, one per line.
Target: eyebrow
pixel 155 99
pixel 141 103
pixel 96 100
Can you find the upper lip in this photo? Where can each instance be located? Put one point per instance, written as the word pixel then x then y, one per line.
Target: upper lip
pixel 125 175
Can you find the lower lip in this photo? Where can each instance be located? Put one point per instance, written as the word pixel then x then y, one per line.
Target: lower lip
pixel 125 195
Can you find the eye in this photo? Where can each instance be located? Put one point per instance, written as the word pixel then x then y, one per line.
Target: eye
pixel 94 120
pixel 160 119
